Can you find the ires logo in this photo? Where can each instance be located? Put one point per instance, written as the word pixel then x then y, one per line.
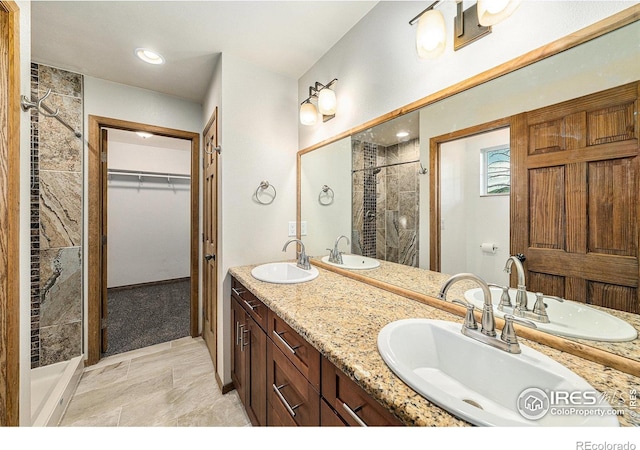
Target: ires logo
pixel 535 403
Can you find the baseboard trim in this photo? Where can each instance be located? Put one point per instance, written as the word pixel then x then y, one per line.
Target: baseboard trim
pixel 150 283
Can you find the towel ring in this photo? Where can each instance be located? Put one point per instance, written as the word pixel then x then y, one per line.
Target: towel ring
pixel 264 185
pixel 324 192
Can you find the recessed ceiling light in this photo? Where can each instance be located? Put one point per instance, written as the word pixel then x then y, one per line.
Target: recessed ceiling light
pixel 149 56
pixel 402 134
pixel 144 134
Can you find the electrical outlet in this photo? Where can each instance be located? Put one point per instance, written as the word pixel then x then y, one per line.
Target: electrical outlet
pixel 303 228
pixel 292 229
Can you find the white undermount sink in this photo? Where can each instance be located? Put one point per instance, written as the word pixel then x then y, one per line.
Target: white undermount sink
pixel 569 318
pixel 283 273
pixel 484 385
pixel 350 261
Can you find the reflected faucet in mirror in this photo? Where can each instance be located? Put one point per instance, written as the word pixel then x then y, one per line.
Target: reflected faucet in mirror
pixel 335 255
pixel 521 296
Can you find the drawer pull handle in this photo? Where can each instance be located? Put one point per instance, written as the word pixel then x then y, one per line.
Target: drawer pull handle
pixel 238 332
pixel 244 344
pixel 353 415
pixel 252 306
pixel 286 344
pixel 238 292
pixel 284 401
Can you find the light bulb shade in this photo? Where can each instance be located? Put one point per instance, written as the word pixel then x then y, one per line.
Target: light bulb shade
pixel 491 12
pixel 327 102
pixel 431 34
pixel 308 114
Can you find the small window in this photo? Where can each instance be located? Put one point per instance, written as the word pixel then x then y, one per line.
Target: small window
pixel 495 173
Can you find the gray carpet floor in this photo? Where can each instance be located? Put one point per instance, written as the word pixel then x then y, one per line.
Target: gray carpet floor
pixel 147 315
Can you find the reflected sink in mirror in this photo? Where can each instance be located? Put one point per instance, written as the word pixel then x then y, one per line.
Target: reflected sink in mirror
pixel 283 273
pixel 568 319
pixel 459 374
pixel 357 262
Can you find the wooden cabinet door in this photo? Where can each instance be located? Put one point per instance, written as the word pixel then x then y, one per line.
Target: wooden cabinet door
pixel 256 382
pixel 574 200
pixel 238 359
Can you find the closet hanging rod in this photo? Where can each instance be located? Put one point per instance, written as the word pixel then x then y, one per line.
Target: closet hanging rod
pixel 148 174
pixel 43 109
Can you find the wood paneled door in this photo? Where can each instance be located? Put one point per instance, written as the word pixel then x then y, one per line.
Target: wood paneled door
pixel 210 236
pixel 574 200
pixel 9 213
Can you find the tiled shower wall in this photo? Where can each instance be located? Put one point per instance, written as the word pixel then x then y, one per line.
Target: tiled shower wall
pixel 386 198
pixel 56 218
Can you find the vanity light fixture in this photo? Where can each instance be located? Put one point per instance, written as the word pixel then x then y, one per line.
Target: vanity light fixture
pixel 491 12
pixel 326 99
pixel 431 34
pixel 149 56
pixel 469 25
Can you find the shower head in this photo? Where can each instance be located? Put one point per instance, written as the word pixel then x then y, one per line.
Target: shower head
pixel 377 170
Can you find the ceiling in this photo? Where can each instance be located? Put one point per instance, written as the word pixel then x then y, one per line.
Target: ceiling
pixel 98 38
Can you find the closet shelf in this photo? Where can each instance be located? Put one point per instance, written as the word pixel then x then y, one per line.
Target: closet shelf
pixel 147 174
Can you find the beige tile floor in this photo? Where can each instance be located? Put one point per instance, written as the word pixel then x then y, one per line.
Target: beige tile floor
pixel 168 385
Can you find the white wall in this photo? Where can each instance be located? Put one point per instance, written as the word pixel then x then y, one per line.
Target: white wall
pixel 325 223
pixel 25 219
pixel 379 71
pixel 258 135
pixel 460 199
pixel 149 220
pixel 118 101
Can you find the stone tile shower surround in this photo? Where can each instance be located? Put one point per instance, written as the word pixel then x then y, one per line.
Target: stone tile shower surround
pixel 386 198
pixel 56 219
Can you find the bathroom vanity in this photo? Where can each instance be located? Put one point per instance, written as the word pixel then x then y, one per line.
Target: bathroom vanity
pixel 306 354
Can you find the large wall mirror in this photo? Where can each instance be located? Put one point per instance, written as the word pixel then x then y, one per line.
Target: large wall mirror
pixel 376 185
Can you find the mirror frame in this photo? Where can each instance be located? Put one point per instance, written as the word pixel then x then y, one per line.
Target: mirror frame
pixel 600 28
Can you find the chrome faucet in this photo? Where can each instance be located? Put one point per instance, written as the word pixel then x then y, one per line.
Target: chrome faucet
pixel 521 295
pixel 508 340
pixel 303 259
pixel 488 321
pixel 335 255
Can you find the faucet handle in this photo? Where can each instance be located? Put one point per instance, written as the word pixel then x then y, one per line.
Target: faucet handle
pixel 508 334
pixel 469 318
pixel 505 298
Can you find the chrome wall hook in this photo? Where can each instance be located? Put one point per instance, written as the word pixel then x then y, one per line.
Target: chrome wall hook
pixel 43 109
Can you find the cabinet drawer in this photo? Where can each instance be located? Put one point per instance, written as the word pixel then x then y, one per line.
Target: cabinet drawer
pixel 328 417
pixel 292 400
pixel 302 354
pixel 256 309
pixel 350 401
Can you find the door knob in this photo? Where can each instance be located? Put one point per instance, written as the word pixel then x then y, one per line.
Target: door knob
pixel 210 257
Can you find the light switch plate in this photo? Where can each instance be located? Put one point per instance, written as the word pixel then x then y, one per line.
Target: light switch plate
pixel 292 229
pixel 303 228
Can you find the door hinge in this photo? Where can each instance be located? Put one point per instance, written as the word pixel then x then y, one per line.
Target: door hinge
pixel 103 323
pixel 104 240
pixel 103 157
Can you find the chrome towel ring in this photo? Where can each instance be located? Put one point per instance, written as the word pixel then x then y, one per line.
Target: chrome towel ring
pixel 264 185
pixel 327 194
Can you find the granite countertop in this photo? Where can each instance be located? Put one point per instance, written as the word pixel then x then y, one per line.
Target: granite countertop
pixel 342 317
pixel 428 282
